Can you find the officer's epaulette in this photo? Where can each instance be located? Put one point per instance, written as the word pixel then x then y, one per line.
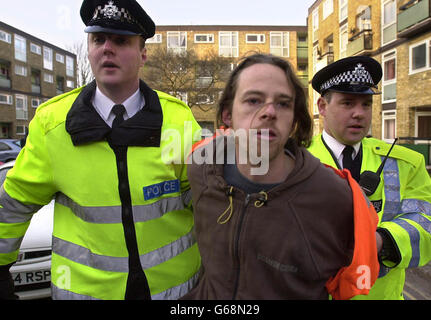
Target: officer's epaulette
pixel 398 152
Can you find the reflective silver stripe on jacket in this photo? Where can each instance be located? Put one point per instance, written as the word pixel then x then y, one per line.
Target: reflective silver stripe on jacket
pixel 84 256
pixel 14 211
pixel 171 294
pixel 10 245
pixel 409 209
pixel 112 214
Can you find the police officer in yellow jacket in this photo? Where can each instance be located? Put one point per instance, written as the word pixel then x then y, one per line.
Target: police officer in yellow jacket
pixel 395 180
pixel 122 222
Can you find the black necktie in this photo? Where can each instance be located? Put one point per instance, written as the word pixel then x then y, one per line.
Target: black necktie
pixel 352 165
pixel 118 110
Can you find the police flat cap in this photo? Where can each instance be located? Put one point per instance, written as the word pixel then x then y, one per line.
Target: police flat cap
pixel 358 75
pixel 125 17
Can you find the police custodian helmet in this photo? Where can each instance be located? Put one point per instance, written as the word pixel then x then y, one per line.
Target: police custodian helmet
pixel 124 17
pixel 357 75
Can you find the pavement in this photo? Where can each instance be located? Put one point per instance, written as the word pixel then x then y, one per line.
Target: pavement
pixel 418 283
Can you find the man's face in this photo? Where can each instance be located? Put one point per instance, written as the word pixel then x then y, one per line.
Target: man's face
pixel 347 117
pixel 264 99
pixel 115 59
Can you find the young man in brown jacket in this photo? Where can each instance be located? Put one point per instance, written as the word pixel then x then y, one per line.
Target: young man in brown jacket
pixel 286 233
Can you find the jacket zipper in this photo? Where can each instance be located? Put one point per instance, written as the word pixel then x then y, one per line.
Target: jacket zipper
pixel 236 245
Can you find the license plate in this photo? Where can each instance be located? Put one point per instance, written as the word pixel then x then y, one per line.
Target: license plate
pixel 30 277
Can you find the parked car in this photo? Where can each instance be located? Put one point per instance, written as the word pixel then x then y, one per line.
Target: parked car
pixel 9 149
pixel 32 271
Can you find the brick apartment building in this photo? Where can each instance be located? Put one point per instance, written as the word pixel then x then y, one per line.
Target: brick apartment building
pixel 31 72
pixel 234 42
pixel 398 35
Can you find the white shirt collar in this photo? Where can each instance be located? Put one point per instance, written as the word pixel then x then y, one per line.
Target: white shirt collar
pixel 337 147
pixel 103 105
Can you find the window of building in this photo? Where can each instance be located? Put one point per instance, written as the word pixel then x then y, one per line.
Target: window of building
pixel 157 38
pixel 420 56
pixel 70 84
pixel 5 98
pixel 35 102
pixel 47 58
pixel 279 43
pixel 70 69
pixel 6 37
pixel 21 107
pixel 35 48
pixel 363 19
pixel 423 125
pixel 204 38
pixel 59 58
pixel 342 4
pixel 389 21
pixel 47 77
pixel 20 48
pixel 389 83
pixel 389 119
pixel 255 38
pixel 315 23
pixel 177 41
pixel 344 40
pixel 20 130
pixel 228 44
pixel 20 70
pixel 328 8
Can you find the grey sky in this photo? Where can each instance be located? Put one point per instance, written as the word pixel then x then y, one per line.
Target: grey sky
pixel 58 21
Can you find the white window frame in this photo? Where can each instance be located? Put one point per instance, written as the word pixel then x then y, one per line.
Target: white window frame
pixel 20 48
pixel 47 58
pixel 390 55
pixel 328 8
pixel 21 70
pixel 5 36
pixel 343 6
pixel 344 32
pixel 179 34
pixel 59 58
pixel 260 38
pixel 285 41
pixel 417 115
pixel 315 23
pixel 389 115
pixel 48 77
pixel 70 83
pixel 21 131
pixel 390 24
pixel 35 102
pixel 157 38
pixel 8 99
pixel 234 49
pixel 70 66
pixel 34 48
pixel 21 112
pixel 427 67
pixel 210 38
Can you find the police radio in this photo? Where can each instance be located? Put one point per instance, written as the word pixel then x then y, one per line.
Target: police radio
pixel 369 181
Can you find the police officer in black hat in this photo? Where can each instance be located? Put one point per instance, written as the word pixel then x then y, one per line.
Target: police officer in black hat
pixel 387 174
pixel 123 228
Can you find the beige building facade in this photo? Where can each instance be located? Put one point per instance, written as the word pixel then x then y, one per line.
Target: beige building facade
pixel 398 35
pixel 31 72
pixel 234 42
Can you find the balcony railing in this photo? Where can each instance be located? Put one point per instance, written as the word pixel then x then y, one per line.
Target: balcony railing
pixel 325 59
pixel 35 88
pixel 419 13
pixel 303 53
pixel 360 42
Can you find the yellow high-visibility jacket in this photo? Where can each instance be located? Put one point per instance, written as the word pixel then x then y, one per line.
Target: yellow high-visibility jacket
pixel 123 221
pixel 403 203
